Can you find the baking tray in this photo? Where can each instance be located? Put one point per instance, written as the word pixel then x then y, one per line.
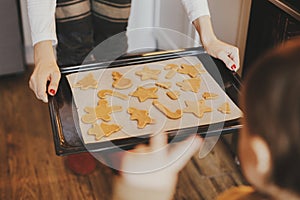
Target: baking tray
pixel 66 137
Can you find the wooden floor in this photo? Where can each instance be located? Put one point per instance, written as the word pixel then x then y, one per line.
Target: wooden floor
pixel 29 168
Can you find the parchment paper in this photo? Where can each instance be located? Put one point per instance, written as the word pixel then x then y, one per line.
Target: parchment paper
pixel 84 98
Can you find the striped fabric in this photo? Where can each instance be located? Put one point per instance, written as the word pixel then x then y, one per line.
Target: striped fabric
pixel 111 11
pixel 83 24
pixel 114 11
pixel 72 10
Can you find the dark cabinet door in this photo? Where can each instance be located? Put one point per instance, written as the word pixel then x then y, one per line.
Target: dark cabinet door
pixel 269 26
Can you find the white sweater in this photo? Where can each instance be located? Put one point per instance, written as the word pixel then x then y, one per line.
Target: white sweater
pixel 41 15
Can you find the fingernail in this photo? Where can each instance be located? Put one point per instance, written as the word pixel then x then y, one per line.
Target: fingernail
pixel 233 67
pixel 52 91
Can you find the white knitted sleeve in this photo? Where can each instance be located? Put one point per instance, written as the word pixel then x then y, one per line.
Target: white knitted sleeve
pixel 41 15
pixel 195 8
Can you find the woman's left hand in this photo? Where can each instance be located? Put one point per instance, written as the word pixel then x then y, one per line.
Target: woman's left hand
pixel 227 53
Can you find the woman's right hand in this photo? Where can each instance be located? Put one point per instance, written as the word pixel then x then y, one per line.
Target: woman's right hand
pixel 46 69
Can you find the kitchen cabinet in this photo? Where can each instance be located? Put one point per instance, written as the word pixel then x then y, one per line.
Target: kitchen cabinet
pixel 11 45
pixel 271 23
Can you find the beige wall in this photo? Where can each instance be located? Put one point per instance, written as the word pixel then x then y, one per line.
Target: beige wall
pixel 26 33
pixel 230 21
pixel 229 18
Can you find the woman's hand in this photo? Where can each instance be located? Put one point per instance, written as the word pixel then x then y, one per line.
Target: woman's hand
pixel 45 70
pixel 227 53
pixel 152 170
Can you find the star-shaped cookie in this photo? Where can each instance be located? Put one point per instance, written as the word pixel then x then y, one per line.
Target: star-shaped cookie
pixel 86 82
pixel 147 73
pixel 192 84
pixel 101 111
pixel 142 117
pixel 145 93
pixel 198 108
pixel 103 130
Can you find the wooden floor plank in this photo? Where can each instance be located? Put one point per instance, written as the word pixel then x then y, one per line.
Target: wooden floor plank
pixel 29 168
pixel 208 177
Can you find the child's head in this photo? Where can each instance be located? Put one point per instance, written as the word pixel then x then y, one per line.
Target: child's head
pixel 269 144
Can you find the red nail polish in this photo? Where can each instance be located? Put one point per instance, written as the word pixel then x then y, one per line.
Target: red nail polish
pixel 52 91
pixel 233 67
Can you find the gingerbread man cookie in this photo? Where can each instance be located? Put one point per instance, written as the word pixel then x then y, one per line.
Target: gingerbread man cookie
pixel 198 108
pixel 145 93
pixel 120 82
pixel 192 84
pixel 101 111
pixel 142 117
pixel 87 82
pixel 147 73
pixel 103 130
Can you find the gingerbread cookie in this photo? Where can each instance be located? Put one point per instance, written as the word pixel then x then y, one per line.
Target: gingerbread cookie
pixel 209 95
pixel 147 73
pixel 225 108
pixel 103 130
pixel 145 93
pixel 192 70
pixel 165 85
pixel 192 84
pixel 142 117
pixel 172 70
pixel 172 115
pixel 101 111
pixel 103 93
pixel 174 95
pixel 120 82
pixel 198 108
pixel 87 82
